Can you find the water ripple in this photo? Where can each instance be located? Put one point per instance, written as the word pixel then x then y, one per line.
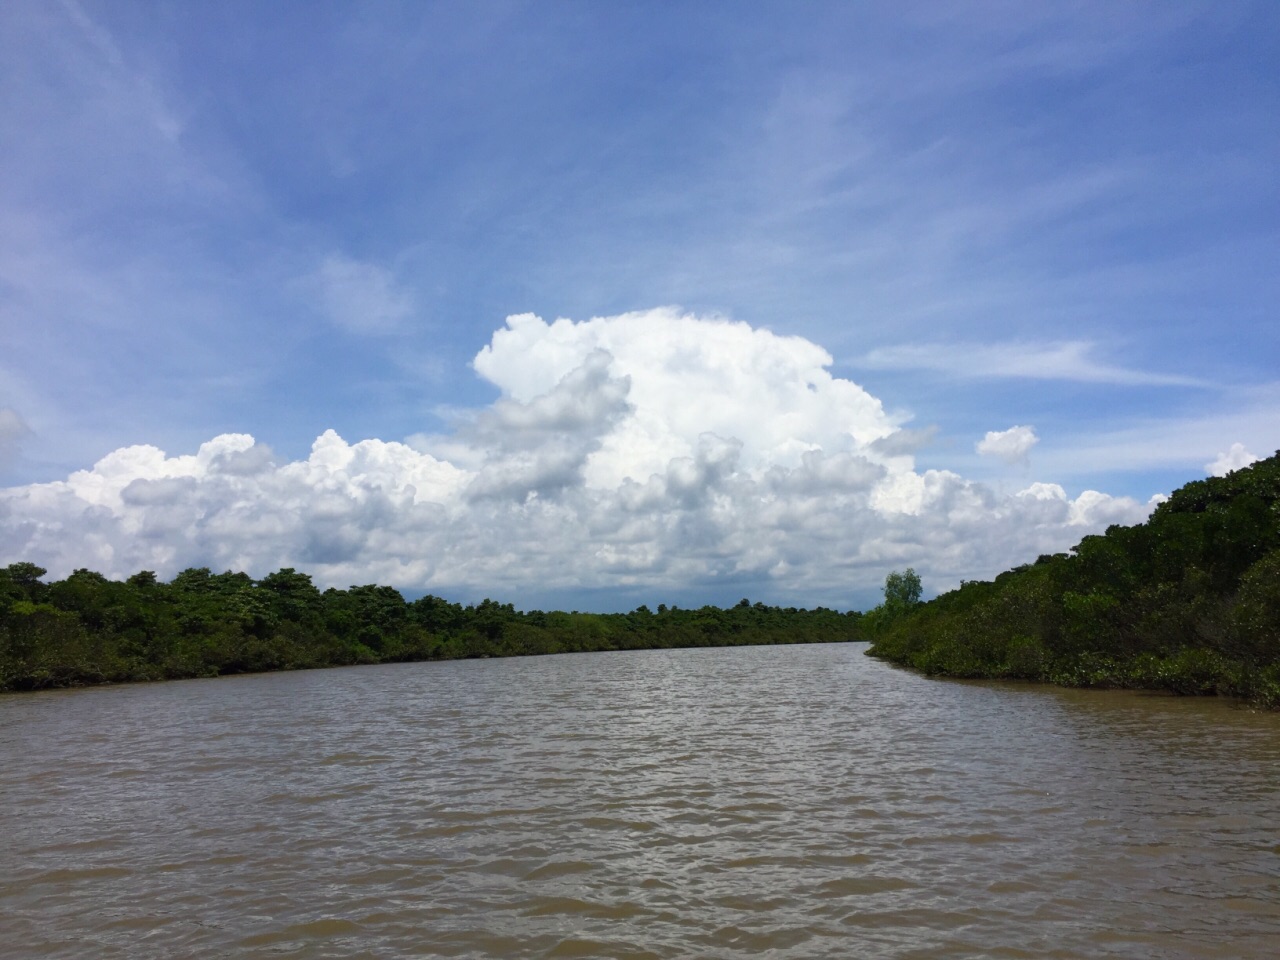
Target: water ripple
pixel 787 802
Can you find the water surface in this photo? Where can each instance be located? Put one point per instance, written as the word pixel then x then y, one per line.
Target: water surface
pixel 783 802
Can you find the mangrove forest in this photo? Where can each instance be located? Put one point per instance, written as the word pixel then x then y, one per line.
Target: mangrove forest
pixel 88 629
pixel 1187 602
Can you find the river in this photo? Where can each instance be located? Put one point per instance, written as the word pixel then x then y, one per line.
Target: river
pixel 781 802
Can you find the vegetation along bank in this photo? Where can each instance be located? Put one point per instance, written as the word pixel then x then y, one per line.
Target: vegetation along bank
pixel 1187 602
pixel 87 629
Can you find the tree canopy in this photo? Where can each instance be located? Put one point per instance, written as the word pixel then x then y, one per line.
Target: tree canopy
pixel 87 629
pixel 902 590
pixel 1187 602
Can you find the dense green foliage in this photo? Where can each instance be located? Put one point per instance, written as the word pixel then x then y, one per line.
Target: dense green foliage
pixel 1187 602
pixel 901 595
pixel 87 629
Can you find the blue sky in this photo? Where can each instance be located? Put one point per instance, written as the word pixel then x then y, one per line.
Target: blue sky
pixel 282 219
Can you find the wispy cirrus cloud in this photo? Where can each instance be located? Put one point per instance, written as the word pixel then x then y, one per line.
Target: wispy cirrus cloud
pixel 1072 360
pixel 360 297
pixel 202 237
pixel 1242 417
pixel 13 430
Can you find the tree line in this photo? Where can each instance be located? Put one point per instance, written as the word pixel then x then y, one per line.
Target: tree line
pixel 1187 602
pixel 87 629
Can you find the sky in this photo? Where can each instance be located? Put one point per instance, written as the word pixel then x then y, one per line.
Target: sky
pixel 589 305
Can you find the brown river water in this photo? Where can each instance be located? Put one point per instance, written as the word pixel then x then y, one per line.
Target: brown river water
pixel 781 802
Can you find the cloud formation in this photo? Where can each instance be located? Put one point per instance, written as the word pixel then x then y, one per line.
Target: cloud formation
pixel 1237 458
pixel 654 454
pixel 360 297
pixel 13 430
pixel 1011 446
pixel 1070 360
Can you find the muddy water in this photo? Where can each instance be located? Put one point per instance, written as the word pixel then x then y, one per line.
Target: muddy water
pixel 791 802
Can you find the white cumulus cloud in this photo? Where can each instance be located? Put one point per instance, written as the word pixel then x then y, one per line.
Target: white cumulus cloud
pixel 691 376
pixel 650 455
pixel 1011 446
pixel 1236 458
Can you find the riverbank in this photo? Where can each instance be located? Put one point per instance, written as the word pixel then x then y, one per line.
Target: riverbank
pixel 1190 672
pixel 1188 602
pixel 88 630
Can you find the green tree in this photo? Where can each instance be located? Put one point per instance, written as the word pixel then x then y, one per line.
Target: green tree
pixel 292 595
pixel 25 578
pixel 901 594
pixel 902 590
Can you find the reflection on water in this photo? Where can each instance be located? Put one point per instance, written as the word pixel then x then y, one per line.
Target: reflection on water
pixel 772 801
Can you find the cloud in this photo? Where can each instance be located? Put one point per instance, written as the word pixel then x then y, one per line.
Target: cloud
pixel 651 455
pixel 690 376
pixel 360 297
pixel 904 442
pixel 1171 441
pixel 1011 446
pixel 13 430
pixel 542 447
pixel 1234 459
pixel 1067 360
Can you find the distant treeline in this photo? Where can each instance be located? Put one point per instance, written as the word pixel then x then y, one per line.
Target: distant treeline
pixel 1187 602
pixel 87 629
